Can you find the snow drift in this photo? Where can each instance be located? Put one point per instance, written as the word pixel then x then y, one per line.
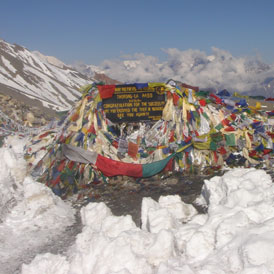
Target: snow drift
pixel 235 236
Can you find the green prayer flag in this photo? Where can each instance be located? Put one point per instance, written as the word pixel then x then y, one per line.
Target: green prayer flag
pixel 219 126
pixel 216 137
pixel 230 139
pixel 206 116
pixel 213 146
pixel 155 167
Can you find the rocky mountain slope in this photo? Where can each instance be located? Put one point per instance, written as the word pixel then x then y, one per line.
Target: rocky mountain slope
pixel 34 84
pixel 39 78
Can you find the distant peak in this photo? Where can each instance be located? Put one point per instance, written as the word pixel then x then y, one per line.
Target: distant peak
pixel 50 59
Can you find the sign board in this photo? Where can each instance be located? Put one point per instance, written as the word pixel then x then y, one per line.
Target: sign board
pixel 129 104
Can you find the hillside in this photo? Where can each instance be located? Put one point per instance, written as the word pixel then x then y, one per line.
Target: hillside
pixel 37 80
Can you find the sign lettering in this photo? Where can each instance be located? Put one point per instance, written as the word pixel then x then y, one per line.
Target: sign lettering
pixel 129 104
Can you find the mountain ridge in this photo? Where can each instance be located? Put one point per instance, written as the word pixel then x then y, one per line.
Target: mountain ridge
pixel 31 82
pixel 32 75
pixel 47 85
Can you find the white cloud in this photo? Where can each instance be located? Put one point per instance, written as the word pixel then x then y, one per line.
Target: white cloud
pixel 219 70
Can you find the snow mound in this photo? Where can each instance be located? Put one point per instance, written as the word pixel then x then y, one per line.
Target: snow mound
pixel 235 236
pixel 31 216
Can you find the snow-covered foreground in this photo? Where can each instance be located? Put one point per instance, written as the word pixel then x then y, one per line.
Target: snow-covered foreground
pixel 31 216
pixel 235 236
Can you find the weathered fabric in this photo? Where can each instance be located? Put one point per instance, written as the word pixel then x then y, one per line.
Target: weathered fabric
pixel 106 91
pixel 111 167
pixel 78 154
pixel 156 167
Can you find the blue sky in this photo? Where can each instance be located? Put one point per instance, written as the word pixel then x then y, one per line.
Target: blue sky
pixel 92 31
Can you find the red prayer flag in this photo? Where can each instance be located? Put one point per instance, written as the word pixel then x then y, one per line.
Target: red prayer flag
pixel 266 151
pixel 175 99
pixel 222 150
pixel 202 102
pixel 132 149
pixel 44 135
pixel 61 165
pixel 106 91
pixel 188 115
pixel 270 134
pixel 225 122
pixel 187 139
pixel 56 181
pixel 115 144
pixel 217 99
pixel 229 128
pixel 111 167
pixel 171 136
pixel 253 153
pixel 215 156
pixel 169 166
pixel 70 165
pixel 91 129
pixel 189 86
pixel 233 116
pixel 74 117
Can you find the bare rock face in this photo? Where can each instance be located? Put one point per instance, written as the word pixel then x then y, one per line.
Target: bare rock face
pixel 24 113
pixel 104 78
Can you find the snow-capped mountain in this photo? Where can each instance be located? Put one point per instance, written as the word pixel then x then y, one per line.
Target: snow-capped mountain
pixel 38 77
pixel 88 70
pixel 95 72
pixel 217 71
pixel 50 84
